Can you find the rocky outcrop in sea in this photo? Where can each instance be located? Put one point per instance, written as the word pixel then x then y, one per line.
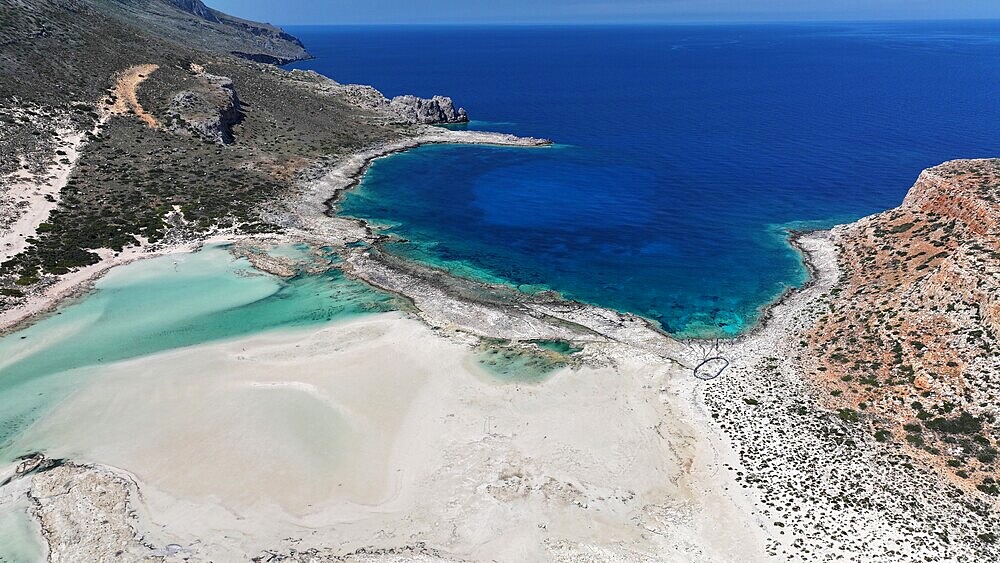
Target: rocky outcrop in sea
pixel 439 109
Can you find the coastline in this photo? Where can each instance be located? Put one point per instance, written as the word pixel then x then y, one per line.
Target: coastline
pixel 312 390
pixel 354 172
pixel 721 446
pixel 317 203
pixel 705 428
pixel 347 175
pixel 351 168
pixel 434 471
pixel 816 269
pixel 80 282
pixel 616 343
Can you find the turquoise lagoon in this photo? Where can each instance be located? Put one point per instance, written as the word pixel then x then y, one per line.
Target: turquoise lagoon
pixel 155 305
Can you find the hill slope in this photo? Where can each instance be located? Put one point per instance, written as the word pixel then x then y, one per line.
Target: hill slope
pixel 192 23
pixel 911 338
pixel 128 122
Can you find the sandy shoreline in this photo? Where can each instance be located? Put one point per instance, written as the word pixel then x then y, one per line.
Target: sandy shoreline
pixel 408 440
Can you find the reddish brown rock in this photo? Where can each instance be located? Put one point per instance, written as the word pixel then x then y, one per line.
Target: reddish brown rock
pixel 910 339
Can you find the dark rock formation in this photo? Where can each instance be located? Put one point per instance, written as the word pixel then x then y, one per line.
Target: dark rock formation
pixel 211 111
pixel 439 109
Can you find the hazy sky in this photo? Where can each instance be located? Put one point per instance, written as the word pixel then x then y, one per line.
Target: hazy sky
pixel 593 11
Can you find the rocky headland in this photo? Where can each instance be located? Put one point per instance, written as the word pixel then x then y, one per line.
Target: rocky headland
pixel 908 349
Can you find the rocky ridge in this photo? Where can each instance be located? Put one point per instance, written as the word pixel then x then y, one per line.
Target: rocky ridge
pixel 211 109
pixel 909 347
pixel 400 109
pixel 192 22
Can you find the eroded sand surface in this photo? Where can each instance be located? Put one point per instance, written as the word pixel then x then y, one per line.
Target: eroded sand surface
pixel 125 99
pixel 377 433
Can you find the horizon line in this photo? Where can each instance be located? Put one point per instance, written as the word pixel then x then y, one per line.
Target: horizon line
pixel 678 23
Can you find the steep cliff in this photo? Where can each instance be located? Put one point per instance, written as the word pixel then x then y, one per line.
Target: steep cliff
pixel 910 345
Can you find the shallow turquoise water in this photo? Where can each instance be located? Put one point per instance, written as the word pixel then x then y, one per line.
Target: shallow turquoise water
pixel 517 365
pixel 159 304
pixel 19 541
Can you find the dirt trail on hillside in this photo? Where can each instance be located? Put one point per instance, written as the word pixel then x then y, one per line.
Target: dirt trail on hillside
pixel 125 97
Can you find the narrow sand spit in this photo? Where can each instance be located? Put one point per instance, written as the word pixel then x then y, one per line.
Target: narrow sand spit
pixel 376 433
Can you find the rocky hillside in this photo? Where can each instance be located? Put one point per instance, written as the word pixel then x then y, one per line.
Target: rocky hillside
pixel 192 23
pixel 400 109
pixel 134 121
pixel 909 347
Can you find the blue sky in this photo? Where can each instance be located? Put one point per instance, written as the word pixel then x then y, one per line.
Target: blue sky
pixel 598 11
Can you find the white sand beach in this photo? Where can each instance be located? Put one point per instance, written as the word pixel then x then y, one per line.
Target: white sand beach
pixel 377 433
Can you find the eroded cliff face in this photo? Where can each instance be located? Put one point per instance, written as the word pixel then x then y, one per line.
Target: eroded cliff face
pixel 909 346
pixel 210 108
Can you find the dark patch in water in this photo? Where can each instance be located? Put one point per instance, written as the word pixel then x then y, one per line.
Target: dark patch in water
pixel 518 363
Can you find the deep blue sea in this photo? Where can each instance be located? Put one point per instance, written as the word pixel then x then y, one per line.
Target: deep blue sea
pixel 683 152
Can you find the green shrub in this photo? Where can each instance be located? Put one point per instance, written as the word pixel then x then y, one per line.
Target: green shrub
pixel 848 415
pixel 965 423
